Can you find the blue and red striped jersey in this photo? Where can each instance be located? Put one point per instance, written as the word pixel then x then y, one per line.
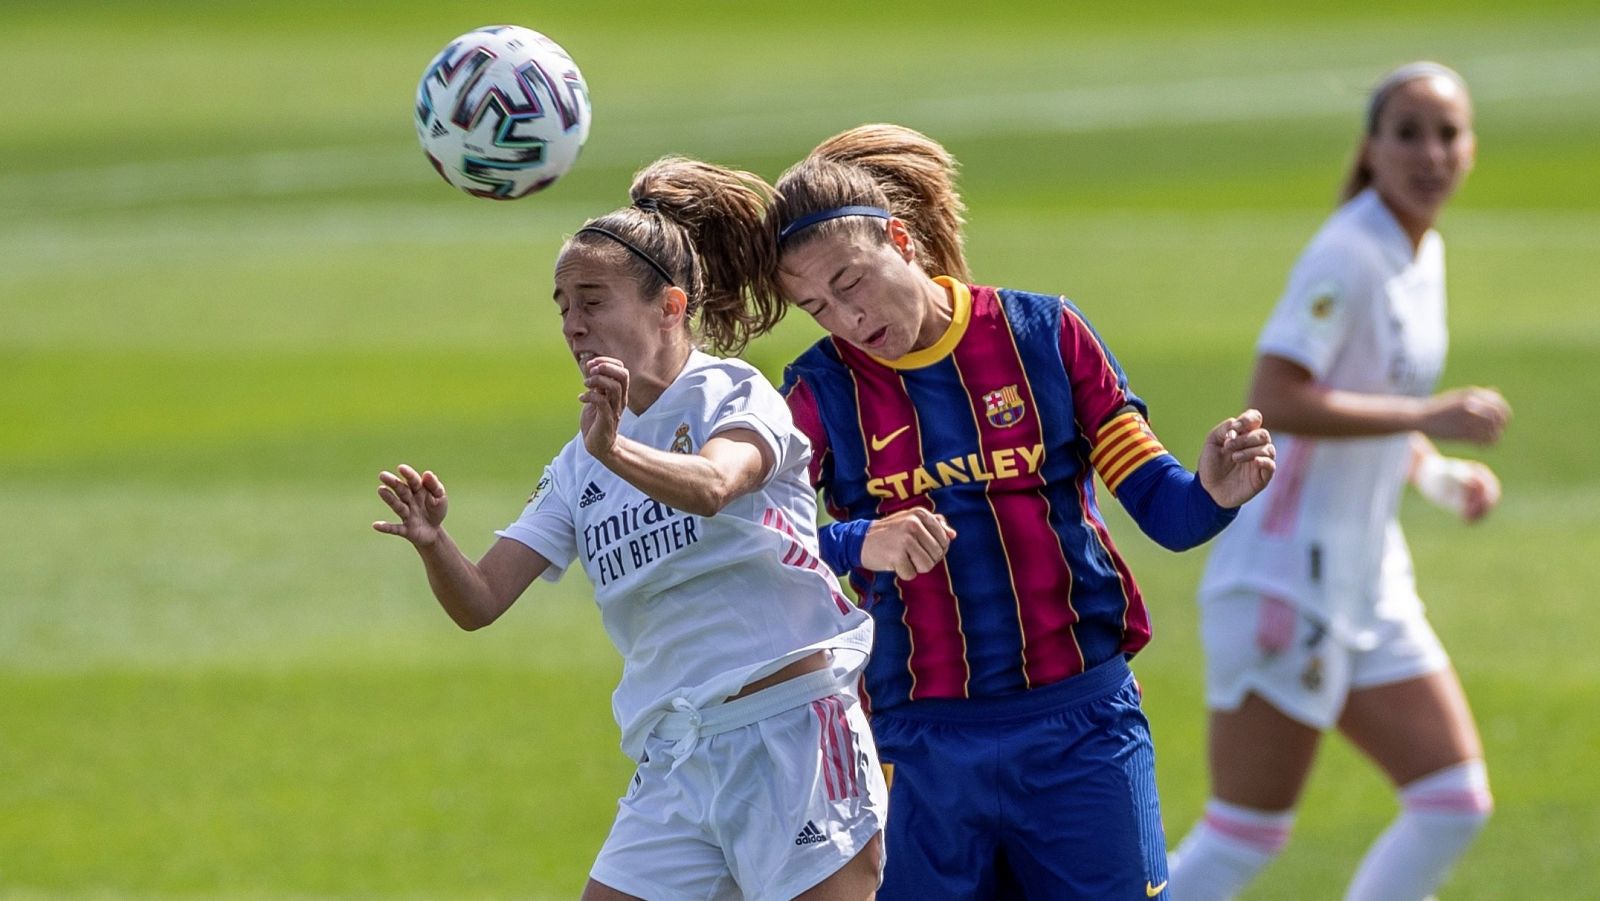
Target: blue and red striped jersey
pixel 993 427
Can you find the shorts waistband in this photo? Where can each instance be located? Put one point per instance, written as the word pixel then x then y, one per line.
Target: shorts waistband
pixel 1089 685
pixel 684 720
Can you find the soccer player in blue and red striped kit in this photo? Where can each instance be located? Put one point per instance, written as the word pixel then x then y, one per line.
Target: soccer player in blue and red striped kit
pixel 958 419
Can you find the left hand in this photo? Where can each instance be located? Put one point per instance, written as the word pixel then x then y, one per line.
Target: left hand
pixel 1464 487
pixel 1482 491
pixel 605 396
pixel 1238 459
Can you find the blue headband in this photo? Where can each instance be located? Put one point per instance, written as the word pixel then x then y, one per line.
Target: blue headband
pixel 838 212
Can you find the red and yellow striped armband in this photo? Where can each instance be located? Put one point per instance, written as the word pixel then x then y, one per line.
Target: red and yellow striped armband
pixel 1123 445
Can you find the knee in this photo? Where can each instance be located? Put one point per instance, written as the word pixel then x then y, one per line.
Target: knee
pixel 1262 833
pixel 1456 798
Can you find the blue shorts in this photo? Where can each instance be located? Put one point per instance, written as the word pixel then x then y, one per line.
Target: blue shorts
pixel 1048 794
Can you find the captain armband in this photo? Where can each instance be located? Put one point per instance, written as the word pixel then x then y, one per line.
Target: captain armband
pixel 1123 445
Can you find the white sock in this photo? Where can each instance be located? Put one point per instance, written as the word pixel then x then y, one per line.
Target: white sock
pixel 1440 814
pixel 1225 851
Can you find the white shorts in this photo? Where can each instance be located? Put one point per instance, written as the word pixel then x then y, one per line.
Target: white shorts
pixel 1261 644
pixel 766 810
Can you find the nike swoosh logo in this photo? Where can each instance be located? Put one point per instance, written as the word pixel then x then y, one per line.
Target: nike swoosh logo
pixel 1150 891
pixel 879 444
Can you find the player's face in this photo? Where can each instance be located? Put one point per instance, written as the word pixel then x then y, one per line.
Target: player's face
pixel 862 286
pixel 1423 148
pixel 603 311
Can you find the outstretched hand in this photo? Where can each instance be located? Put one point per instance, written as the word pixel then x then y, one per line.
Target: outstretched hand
pixel 1238 459
pixel 418 499
pixel 605 396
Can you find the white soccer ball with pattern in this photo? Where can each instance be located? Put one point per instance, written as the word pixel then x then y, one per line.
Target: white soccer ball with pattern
pixel 502 112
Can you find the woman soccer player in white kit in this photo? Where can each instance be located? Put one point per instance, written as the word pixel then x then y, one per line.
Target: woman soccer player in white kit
pixel 685 498
pixel 1310 615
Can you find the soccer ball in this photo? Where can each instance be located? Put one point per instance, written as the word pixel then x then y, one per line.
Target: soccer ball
pixel 502 112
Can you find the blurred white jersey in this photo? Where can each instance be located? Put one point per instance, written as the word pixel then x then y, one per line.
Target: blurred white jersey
pixel 1364 315
pixel 697 606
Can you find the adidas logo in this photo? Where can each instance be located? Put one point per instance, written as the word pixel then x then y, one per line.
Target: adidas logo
pixel 591 493
pixel 438 129
pixel 810 835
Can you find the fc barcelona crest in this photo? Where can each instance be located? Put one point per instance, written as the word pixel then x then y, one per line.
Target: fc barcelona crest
pixel 1004 407
pixel 680 440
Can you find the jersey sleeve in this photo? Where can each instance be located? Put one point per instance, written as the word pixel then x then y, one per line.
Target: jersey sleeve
pixel 1099 386
pixel 1109 415
pixel 754 404
pixel 546 524
pixel 1314 317
pixel 807 417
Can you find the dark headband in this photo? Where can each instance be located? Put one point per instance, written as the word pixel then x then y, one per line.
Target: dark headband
pixel 838 212
pixel 633 248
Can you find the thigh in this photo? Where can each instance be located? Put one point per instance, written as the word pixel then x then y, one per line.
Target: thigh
pixel 1413 727
pixel 856 881
pixel 941 840
pixel 1260 756
pixel 1083 818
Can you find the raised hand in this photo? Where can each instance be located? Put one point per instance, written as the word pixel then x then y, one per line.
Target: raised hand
pixel 418 500
pixel 906 543
pixel 1238 459
pixel 605 396
pixel 1477 415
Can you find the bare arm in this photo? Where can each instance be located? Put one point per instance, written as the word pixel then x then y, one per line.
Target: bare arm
pixel 473 594
pixel 731 464
pixel 1293 401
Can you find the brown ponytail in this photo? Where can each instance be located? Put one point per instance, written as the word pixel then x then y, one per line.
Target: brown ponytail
pixel 1358 177
pixel 701 224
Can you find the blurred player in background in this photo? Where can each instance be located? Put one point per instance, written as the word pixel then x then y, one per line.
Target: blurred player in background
pixel 1310 615
pixel 685 497
pixel 945 416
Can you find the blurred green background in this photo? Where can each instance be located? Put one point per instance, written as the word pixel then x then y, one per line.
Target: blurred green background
pixel 232 290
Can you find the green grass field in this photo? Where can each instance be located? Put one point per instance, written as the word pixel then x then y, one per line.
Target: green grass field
pixel 232 290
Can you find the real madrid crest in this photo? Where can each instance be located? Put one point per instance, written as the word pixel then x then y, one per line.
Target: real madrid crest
pixel 1004 407
pixel 680 440
pixel 1311 676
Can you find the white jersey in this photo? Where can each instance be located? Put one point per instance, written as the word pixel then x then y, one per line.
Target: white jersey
pixel 1362 314
pixel 697 606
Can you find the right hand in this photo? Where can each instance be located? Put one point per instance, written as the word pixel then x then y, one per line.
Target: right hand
pixel 418 499
pixel 906 543
pixel 1476 415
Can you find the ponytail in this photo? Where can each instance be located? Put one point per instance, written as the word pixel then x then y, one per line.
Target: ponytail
pixel 697 226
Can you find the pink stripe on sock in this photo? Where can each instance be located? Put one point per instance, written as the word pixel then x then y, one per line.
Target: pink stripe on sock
pixel 1451 802
pixel 1269 839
